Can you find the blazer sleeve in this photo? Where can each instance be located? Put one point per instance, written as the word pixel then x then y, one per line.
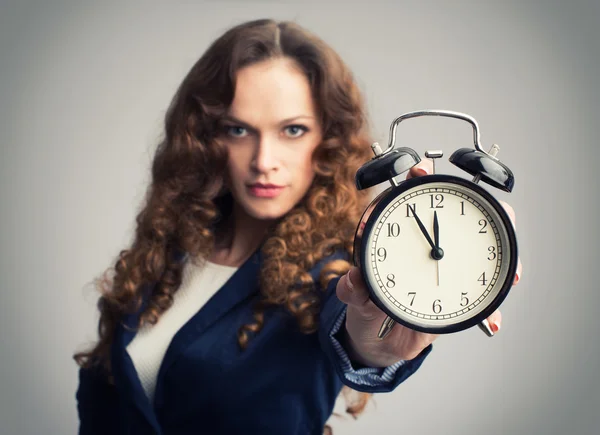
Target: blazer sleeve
pixel 97 404
pixel 366 379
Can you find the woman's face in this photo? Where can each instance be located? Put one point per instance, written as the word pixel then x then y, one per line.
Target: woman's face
pixel 270 132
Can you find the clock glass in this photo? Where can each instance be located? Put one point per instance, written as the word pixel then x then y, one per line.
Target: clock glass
pixel 437 254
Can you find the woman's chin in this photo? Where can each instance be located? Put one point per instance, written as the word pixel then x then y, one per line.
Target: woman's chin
pixel 266 212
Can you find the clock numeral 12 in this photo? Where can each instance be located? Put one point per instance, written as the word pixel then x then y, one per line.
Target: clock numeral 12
pixel 440 198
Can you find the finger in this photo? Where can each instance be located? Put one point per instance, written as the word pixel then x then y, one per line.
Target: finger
pixel 424 167
pixel 519 272
pixel 352 291
pixel 511 214
pixel 495 321
pixel 510 211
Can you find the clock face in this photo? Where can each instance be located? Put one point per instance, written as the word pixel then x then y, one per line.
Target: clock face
pixel 448 276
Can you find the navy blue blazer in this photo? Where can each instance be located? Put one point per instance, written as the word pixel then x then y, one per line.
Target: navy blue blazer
pixel 285 382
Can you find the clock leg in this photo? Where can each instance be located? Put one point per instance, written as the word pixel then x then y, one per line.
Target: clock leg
pixel 386 328
pixel 485 327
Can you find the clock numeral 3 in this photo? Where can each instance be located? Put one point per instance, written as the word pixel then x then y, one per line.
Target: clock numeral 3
pixel 390 281
pixel 437 307
pixel 393 229
pixel 382 253
pixel 439 198
pixel 492 251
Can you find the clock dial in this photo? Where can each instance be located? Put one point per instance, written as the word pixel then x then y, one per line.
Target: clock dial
pixel 436 254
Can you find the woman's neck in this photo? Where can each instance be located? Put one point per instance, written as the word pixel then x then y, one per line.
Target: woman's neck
pixel 238 238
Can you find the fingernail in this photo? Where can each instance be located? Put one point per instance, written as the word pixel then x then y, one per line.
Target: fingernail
pixel 349 282
pixel 495 326
pixel 517 277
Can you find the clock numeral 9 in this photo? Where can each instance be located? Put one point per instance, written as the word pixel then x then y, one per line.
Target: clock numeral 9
pixel 393 229
pixel 492 251
pixel 390 281
pixel 464 300
pixel 413 297
pixel 440 198
pixel 382 253
pixel 482 279
pixel 483 224
pixel 437 307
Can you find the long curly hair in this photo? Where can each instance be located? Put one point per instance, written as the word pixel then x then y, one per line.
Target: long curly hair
pixel 187 197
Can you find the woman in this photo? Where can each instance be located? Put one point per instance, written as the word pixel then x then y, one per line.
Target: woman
pixel 228 314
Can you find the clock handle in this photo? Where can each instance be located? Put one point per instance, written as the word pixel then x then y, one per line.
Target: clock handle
pixel 446 113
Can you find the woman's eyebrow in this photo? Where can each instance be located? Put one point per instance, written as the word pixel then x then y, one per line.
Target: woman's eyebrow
pixel 250 127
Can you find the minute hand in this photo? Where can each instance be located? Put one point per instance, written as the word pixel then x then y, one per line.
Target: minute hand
pixel 422 227
pixel 436 230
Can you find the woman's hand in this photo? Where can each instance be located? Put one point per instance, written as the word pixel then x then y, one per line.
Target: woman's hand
pixel 364 318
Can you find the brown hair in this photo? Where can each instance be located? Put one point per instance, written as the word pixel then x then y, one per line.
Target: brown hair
pixel 186 198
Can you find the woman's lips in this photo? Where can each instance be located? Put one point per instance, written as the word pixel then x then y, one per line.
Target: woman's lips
pixel 265 190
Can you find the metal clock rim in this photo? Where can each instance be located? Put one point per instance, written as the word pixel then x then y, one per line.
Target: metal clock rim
pixel 512 267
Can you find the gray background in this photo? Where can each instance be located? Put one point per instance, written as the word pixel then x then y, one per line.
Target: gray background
pixel 83 90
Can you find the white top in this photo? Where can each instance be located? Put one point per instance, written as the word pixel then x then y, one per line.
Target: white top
pixel 148 347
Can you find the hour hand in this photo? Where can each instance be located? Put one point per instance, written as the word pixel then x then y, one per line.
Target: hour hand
pixel 421 226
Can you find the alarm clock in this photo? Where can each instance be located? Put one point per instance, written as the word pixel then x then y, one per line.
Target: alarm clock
pixel 438 253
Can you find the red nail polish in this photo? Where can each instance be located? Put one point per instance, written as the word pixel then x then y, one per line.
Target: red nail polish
pixel 495 327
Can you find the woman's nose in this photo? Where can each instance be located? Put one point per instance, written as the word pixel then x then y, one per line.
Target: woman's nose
pixel 265 157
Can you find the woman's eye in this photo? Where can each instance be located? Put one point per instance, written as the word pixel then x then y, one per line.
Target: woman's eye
pixel 235 131
pixel 295 130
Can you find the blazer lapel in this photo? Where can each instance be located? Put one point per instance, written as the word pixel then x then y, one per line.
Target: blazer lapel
pixel 125 374
pixel 242 284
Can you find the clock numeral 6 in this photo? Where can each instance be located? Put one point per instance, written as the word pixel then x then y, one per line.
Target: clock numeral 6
pixel 464 300
pixel 390 281
pixel 437 307
pixel 393 229
pixel 382 254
